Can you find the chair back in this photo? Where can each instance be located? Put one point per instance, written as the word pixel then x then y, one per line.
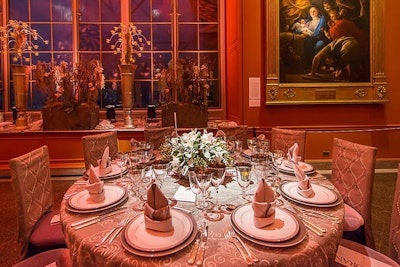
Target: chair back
pixel 283 139
pixel 30 175
pixel 394 232
pixel 353 168
pixel 156 136
pixel 94 145
pixel 239 132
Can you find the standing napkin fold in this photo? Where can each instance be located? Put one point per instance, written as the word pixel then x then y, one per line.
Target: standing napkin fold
pixel 304 187
pixel 95 186
pixel 157 215
pixel 263 205
pixel 261 137
pixel 293 153
pixel 105 162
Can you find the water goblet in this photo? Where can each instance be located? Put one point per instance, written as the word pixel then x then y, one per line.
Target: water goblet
pixel 243 176
pixel 217 178
pixel 160 171
pixel 238 146
pixel 121 159
pixel 195 187
pixel 252 144
pixel 203 179
pixel 277 159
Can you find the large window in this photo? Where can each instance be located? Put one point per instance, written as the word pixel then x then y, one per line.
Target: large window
pixel 187 29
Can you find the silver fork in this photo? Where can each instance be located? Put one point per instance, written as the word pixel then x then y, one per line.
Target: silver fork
pixel 250 253
pixel 118 230
pixel 120 224
pixel 243 252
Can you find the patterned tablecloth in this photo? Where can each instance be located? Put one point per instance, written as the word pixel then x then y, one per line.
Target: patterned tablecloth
pixel 314 250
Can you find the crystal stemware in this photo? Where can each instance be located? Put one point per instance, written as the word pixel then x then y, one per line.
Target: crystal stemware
pixel 203 179
pixel 243 176
pixel 277 159
pixel 121 159
pixel 217 178
pixel 160 170
pixel 252 144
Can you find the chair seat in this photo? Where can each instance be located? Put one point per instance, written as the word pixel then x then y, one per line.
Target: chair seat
pixel 352 219
pixel 45 234
pixel 364 250
pixel 61 257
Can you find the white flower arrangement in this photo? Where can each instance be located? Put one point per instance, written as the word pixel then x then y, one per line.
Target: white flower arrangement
pixel 196 149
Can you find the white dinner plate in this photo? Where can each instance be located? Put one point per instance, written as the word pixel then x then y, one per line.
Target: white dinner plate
pixel 288 168
pixel 81 200
pixel 140 238
pixel 297 239
pixel 322 194
pixel 284 228
pixel 115 173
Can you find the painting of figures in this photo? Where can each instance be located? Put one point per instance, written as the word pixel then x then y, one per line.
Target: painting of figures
pixel 324 41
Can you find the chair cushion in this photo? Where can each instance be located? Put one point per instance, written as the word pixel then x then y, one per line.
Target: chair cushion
pixel 352 219
pixel 61 257
pixel 45 234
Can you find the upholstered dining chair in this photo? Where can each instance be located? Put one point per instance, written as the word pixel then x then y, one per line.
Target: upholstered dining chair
pixel 239 132
pixel 393 258
pixel 353 167
pixel 394 232
pixel 56 257
pixel 94 145
pixel 30 175
pixel 283 139
pixel 156 136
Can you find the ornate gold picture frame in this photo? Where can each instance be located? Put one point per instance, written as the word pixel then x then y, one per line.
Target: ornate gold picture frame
pixel 336 76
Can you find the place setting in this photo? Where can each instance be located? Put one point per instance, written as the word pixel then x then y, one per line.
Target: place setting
pixel 160 230
pixel 264 223
pixel 96 196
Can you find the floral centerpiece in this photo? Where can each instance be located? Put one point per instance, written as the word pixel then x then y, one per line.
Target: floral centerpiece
pixel 195 149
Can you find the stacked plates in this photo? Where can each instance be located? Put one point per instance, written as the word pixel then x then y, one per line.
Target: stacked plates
pixel 81 203
pixel 323 197
pixel 287 167
pixel 287 230
pixel 149 243
pixel 115 173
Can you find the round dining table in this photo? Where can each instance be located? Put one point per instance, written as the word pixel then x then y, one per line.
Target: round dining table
pixel 311 249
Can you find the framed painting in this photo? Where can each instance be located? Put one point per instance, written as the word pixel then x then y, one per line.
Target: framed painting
pixel 324 52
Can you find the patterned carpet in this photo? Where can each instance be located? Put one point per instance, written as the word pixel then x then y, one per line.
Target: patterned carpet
pixel 381 211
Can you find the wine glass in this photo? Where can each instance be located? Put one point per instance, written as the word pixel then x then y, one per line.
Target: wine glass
pixel 277 159
pixel 194 186
pixel 217 178
pixel 238 146
pixel 203 179
pixel 243 176
pixel 136 173
pixel 121 159
pixel 252 144
pixel 160 171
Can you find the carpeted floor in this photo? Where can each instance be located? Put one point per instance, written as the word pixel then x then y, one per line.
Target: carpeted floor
pixel 381 211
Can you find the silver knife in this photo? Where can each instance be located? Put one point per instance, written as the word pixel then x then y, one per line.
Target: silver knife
pixel 95 219
pixel 202 247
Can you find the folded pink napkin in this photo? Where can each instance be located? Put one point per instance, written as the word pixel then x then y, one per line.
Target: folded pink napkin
pixel 261 137
pixel 263 205
pixel 304 187
pixel 157 214
pixel 293 153
pixel 105 162
pixel 95 186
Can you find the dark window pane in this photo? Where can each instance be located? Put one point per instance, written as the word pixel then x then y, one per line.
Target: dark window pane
pixel 62 10
pixel 161 11
pixel 106 34
pixel 209 37
pixel 140 11
pixel 162 37
pixel 89 10
pixel 67 57
pixel 142 94
pixel 89 37
pixel 208 11
pixel 89 56
pixel 110 65
pixel 39 98
pixel 211 61
pixel 161 61
pixel 143 69
pixel 40 10
pixel 188 10
pixel 44 31
pixel 111 94
pixel 187 37
pixel 1 100
pixel 111 10
pixel 18 10
pixel 62 37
